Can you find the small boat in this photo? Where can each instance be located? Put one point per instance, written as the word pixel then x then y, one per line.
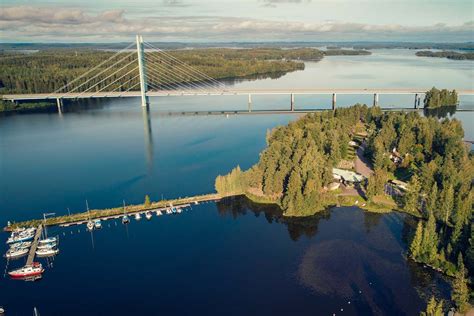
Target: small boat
pixel 158 213
pixel 22 244
pixel 97 224
pixel 27 271
pixel 168 211
pixel 148 215
pixel 47 252
pixel 24 236
pixel 173 210
pixel 16 253
pixel 50 240
pixel 125 219
pixel 196 202
pixel 138 216
pixel 47 246
pixel 2 311
pixel 90 225
pixel 179 210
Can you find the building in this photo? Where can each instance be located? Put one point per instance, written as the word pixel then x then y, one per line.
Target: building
pixel 347 176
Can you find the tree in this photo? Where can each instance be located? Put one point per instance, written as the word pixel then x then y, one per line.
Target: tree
pixel 433 308
pixel 147 201
pixel 430 239
pixel 415 246
pixel 411 197
pixel 432 198
pixel 460 293
pixel 446 203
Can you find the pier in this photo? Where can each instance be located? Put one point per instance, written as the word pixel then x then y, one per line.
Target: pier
pixel 34 246
pixel 112 213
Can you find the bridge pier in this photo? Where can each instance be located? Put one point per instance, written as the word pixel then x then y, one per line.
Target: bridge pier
pixel 376 99
pixel 292 102
pixel 416 100
pixel 333 101
pixel 59 103
pixel 250 103
pixel 142 71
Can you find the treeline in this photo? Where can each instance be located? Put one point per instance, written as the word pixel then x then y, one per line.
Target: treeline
pixel 296 167
pixel 345 52
pixel 446 54
pixel 435 98
pixel 47 71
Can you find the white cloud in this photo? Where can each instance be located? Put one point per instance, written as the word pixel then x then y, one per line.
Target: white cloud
pixel 72 24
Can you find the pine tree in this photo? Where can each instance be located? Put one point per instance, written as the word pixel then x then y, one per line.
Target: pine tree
pixel 432 198
pixel 411 198
pixel 433 308
pixel 447 203
pixel 147 201
pixel 415 246
pixel 460 293
pixel 430 239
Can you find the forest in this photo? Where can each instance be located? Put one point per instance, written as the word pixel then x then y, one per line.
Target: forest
pixel 435 98
pixel 295 169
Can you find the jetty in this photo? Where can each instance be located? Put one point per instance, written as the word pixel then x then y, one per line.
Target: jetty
pixel 34 246
pixel 112 213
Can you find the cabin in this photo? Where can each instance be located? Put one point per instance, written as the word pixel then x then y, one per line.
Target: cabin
pixel 347 176
pixel 400 184
pixel 395 157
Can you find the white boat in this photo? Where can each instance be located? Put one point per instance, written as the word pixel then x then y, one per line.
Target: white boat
pixel 90 225
pixel 138 216
pixel 148 215
pixel 168 211
pixel 125 219
pixel 179 210
pixel 50 240
pixel 22 244
pixel 196 202
pixel 158 213
pixel 16 253
pixel 97 224
pixel 47 252
pixel 27 271
pixel 47 246
pixel 22 236
pixel 2 311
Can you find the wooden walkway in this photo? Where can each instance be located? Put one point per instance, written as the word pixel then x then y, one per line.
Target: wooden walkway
pixel 34 245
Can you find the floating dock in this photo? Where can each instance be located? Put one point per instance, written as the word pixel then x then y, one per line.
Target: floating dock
pixel 34 246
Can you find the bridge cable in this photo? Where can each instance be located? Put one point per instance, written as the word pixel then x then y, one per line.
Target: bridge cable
pixel 204 81
pixel 88 89
pixel 133 69
pixel 92 69
pixel 184 72
pixel 178 78
pixel 106 69
pixel 171 84
pixel 183 63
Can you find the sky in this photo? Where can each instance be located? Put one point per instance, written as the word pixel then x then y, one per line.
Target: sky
pixel 243 20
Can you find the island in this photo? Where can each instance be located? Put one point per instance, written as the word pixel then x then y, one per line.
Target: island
pixel 446 54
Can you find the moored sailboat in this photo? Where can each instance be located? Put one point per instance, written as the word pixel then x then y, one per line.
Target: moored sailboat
pixel 34 269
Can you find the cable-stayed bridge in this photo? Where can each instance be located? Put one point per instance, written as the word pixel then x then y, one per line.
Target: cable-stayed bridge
pixel 147 71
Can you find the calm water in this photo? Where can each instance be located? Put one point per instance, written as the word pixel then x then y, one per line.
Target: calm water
pixel 232 257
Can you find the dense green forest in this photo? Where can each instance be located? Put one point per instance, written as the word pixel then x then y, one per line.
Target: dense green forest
pixel 295 170
pixel 435 98
pixel 446 54
pixel 296 167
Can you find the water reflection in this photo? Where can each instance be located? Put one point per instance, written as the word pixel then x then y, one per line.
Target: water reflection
pixel 297 227
pixel 148 137
pixel 441 112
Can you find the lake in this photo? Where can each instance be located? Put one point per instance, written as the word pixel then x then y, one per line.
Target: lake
pixel 232 257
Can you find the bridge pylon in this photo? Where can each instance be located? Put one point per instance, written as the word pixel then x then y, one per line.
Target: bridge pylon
pixel 142 71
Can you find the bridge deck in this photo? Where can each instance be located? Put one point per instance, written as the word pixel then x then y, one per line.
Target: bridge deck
pixel 45 96
pixel 34 246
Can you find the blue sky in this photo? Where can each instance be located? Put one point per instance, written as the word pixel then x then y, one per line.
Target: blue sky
pixel 244 20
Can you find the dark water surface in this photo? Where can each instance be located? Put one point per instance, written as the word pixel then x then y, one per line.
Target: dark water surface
pixel 232 257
